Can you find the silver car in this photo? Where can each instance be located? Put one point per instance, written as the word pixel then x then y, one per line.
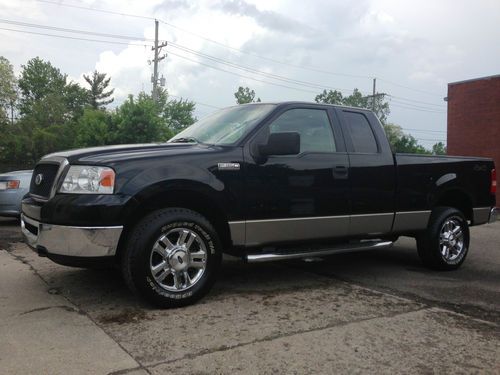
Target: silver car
pixel 13 187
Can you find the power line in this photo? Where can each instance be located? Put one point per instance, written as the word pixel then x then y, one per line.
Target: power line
pixel 417 109
pixel 240 75
pixel 418 106
pixel 425 131
pixel 197 62
pixel 59 3
pixel 253 70
pixel 73 38
pixel 403 102
pixel 213 58
pixel 409 88
pixel 310 68
pixel 416 101
pixel 77 31
pixel 183 48
pixel 195 101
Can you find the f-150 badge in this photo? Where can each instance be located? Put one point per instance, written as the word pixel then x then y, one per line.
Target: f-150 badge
pixel 228 166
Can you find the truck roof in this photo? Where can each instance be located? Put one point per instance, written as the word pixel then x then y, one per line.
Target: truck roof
pixel 308 103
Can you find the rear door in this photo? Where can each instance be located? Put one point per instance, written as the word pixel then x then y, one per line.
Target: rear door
pixel 298 197
pixel 372 173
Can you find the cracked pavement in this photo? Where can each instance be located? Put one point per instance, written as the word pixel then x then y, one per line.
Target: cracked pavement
pixel 374 312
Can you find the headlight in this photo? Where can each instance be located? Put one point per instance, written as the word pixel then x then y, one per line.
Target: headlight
pixel 84 179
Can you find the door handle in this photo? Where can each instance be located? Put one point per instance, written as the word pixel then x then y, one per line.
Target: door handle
pixel 340 171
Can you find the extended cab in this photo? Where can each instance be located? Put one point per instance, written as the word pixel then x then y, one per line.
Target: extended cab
pixel 259 181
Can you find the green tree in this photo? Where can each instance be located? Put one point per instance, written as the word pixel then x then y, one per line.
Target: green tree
pixel 179 114
pixel 356 99
pixel 439 149
pixel 408 144
pixel 39 80
pixel 49 107
pixel 98 96
pixel 45 96
pixel 394 133
pixel 8 94
pixel 93 128
pixel 245 95
pixel 139 120
pixel 330 97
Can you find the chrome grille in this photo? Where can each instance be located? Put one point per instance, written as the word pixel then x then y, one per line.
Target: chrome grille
pixel 43 187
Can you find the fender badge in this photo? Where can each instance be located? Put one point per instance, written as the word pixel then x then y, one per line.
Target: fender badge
pixel 228 166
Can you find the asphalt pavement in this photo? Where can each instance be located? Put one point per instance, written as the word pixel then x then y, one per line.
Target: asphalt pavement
pixel 375 312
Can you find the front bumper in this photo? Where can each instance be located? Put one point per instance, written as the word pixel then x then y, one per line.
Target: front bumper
pixel 70 241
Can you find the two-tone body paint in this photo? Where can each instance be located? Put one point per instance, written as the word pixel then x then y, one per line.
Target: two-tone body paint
pixel 306 196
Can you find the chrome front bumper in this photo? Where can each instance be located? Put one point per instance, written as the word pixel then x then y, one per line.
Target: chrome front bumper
pixel 70 241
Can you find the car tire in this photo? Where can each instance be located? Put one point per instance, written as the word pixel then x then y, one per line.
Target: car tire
pixel 445 243
pixel 172 257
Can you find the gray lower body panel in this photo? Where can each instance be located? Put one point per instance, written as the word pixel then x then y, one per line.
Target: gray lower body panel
pixel 481 215
pixel 258 232
pixel 411 221
pixel 267 231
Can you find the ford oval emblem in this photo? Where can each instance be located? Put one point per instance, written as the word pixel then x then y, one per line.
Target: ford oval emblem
pixel 38 179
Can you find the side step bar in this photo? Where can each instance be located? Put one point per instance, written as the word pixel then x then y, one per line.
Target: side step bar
pixel 347 248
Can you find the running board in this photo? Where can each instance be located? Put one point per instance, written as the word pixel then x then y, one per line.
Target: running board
pixel 346 248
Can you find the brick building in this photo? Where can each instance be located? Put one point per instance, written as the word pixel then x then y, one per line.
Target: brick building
pixel 474 119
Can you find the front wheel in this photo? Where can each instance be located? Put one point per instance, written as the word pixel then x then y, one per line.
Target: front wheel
pixel 172 257
pixel 445 243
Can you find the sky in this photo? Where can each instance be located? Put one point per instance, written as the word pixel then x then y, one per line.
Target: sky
pixel 284 50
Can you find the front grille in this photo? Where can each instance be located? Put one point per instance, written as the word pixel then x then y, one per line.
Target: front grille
pixel 49 172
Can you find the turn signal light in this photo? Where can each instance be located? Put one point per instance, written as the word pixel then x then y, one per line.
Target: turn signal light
pixel 13 184
pixel 10 185
pixel 493 188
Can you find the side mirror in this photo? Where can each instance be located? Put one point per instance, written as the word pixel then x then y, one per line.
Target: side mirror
pixel 285 143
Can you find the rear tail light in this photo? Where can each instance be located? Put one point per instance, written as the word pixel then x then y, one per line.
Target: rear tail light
pixel 493 188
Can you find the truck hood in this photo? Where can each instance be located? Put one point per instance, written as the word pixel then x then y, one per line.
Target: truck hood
pixel 120 153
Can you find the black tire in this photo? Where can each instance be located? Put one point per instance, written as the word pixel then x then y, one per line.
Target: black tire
pixel 428 243
pixel 137 259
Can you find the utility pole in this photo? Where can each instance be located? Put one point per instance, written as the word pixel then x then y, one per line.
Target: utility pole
pixel 156 59
pixel 12 112
pixel 373 94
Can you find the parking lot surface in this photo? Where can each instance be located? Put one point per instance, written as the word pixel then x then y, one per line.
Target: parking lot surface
pixel 355 313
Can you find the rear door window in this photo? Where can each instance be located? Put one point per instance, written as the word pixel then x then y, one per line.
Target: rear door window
pixel 363 139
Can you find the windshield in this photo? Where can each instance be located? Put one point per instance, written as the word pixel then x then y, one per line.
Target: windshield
pixel 226 126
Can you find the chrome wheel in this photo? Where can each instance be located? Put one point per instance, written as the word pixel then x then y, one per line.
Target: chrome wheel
pixel 178 259
pixel 451 240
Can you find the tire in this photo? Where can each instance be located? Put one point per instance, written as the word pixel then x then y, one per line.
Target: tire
pixel 445 243
pixel 165 245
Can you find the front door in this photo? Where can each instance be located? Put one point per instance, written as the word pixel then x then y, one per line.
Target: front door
pixel 298 197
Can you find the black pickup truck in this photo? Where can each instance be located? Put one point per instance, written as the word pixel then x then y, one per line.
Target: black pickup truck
pixel 260 181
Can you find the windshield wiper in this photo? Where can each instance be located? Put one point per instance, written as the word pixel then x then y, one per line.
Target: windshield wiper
pixel 185 140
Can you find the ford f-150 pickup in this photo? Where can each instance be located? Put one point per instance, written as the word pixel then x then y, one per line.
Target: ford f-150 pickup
pixel 260 181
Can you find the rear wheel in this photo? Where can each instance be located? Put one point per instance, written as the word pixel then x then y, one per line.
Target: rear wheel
pixel 445 243
pixel 172 257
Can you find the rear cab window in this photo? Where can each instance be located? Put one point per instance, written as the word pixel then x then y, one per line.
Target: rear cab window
pixel 363 139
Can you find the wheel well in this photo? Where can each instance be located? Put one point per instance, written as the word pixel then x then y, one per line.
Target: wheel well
pixel 458 200
pixel 195 201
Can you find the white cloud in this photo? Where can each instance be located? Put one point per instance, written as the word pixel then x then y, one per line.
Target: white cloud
pixel 423 46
